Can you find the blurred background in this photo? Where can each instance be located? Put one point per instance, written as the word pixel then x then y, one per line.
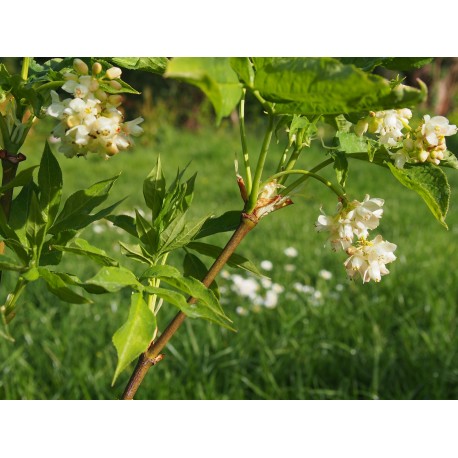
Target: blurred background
pixel 304 331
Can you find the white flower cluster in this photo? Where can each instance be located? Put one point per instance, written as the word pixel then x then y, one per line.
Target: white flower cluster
pixel 366 258
pixel 387 124
pixel 91 122
pixel 424 144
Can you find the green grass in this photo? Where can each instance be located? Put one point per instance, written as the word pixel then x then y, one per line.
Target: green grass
pixel 392 340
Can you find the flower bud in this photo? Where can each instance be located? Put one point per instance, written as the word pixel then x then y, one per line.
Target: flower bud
pixel 113 73
pixel 70 77
pixel 116 85
pixel 80 67
pixel 361 127
pixel 423 155
pixel 115 100
pixel 96 68
pixel 94 85
pixel 101 95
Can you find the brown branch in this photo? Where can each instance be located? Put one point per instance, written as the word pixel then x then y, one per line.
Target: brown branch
pixel 152 355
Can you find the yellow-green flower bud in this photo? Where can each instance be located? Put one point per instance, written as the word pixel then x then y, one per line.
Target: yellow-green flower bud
pixel 116 85
pixel 361 127
pixel 96 68
pixel 113 73
pixel 80 67
pixel 115 100
pixel 101 95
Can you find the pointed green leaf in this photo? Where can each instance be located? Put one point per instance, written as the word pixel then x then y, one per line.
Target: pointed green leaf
pixel 194 267
pixel 185 236
pixel 340 167
pixel 146 233
pixel 112 279
pixel 50 185
pixel 430 183
pixel 20 209
pixel 228 221
pixel 351 143
pixel 84 248
pixel 234 261
pixel 146 64
pixel 58 287
pixel 197 310
pixel 124 222
pixel 36 227
pixel 6 263
pixel 214 76
pixel 21 179
pixel 160 271
pixel 79 205
pixel 135 252
pixel 154 189
pixel 135 335
pixel 51 256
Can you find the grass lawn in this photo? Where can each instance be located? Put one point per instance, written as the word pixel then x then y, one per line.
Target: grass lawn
pixel 327 338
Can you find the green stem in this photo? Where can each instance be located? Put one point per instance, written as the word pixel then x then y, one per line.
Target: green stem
pixel 150 357
pixel 253 198
pixel 5 133
pixel 246 158
pixel 25 68
pixel 307 174
pixel 50 85
pixel 291 163
pixel 283 158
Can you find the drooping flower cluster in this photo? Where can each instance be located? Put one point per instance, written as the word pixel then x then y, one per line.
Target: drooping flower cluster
pixel 424 144
pixel 91 122
pixel 355 219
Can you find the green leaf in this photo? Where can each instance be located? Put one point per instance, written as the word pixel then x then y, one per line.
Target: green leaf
pixel 349 142
pixel 207 305
pixel 58 287
pixel 147 234
pixel 124 222
pixel 83 248
pixel 75 214
pixel 135 252
pixel 228 221
pixel 244 69
pixel 20 209
pixel 135 335
pixel 200 309
pixel 21 179
pixel 50 185
pixel 51 256
pixel 194 267
pixel 234 261
pixel 187 234
pixel 214 76
pixel 112 279
pixel 36 227
pixel 450 160
pixel 154 189
pixel 430 183
pixel 6 263
pixel 124 89
pixel 340 167
pixel 146 64
pixel 392 63
pixel 314 86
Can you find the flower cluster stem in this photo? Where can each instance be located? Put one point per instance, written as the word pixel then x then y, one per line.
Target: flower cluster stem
pixel 152 354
